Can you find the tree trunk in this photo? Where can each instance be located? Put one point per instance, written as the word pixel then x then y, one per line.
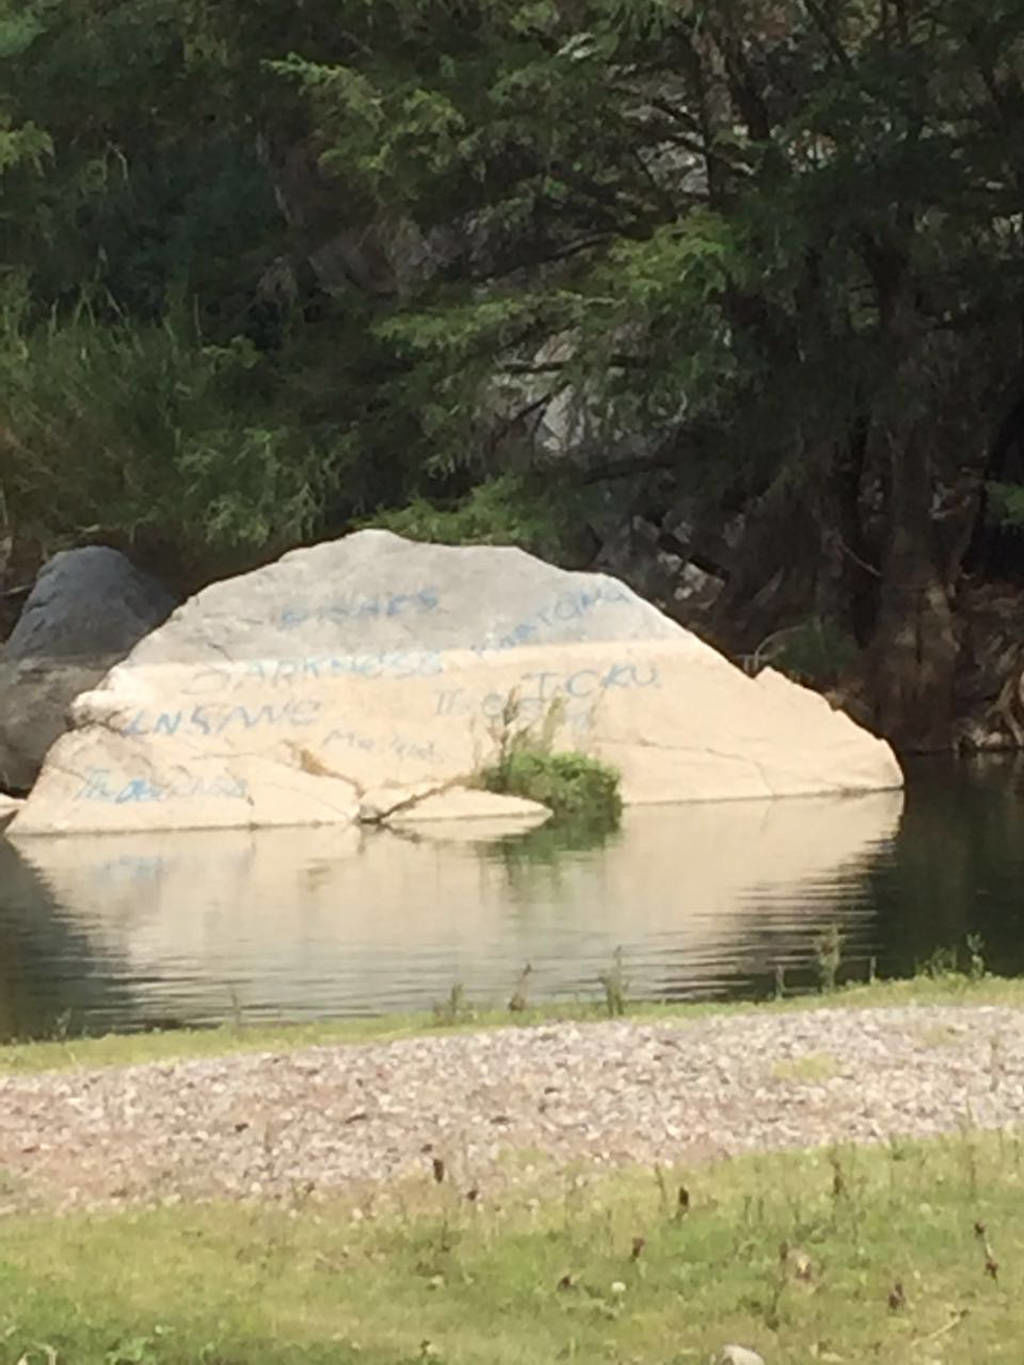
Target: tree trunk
pixel 859 577
pixel 848 580
pixel 915 648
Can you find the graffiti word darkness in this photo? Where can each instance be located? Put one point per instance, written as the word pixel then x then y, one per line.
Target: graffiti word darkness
pixel 285 673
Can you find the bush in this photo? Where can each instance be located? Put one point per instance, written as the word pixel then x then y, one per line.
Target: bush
pixel 574 786
pixel 132 430
pixel 578 789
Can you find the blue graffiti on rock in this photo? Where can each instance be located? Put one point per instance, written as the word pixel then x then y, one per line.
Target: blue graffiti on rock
pixel 572 605
pixel 357 606
pixel 212 719
pixel 100 785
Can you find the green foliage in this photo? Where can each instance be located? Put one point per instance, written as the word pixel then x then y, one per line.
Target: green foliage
pixel 577 787
pixel 27 144
pixel 453 1009
pixel 581 791
pixel 19 30
pixel 942 964
pixel 1006 505
pixel 300 263
pixel 951 965
pixel 509 510
pixel 816 652
pixel 139 432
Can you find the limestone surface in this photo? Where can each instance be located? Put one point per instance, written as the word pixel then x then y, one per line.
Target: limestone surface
pixel 86 610
pixel 287 695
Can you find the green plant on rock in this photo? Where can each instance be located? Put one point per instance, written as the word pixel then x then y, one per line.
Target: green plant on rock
pixel 573 785
pixel 576 787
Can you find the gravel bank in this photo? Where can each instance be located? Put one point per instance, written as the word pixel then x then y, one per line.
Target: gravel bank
pixel 608 1093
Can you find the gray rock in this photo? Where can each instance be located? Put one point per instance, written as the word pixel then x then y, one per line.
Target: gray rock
pixel 634 554
pixel 87 610
pixel 375 596
pixel 87 602
pixel 738 1355
pixel 696 589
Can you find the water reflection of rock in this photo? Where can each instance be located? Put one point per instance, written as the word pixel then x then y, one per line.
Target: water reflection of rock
pixel 53 976
pixel 322 921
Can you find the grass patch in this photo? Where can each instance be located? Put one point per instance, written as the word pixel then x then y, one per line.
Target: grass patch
pixel 902 1253
pixel 175 1044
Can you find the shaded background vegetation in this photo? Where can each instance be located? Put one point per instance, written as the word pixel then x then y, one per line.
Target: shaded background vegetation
pixel 269 270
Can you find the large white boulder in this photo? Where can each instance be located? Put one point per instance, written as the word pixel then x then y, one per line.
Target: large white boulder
pixel 286 695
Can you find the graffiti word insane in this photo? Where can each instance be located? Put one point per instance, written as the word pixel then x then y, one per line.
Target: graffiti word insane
pixel 216 718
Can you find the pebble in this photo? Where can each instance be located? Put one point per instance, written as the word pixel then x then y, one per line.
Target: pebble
pixel 615 1092
pixel 738 1355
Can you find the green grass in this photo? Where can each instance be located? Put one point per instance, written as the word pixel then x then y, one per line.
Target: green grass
pixel 130 1049
pixel 795 1255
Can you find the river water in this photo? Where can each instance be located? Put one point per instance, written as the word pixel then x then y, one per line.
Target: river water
pixel 704 901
